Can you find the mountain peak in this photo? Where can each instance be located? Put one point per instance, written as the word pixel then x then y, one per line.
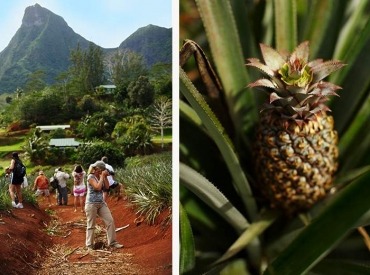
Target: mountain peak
pixel 44 42
pixel 34 16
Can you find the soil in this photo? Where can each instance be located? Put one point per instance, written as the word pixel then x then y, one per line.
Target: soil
pixel 51 240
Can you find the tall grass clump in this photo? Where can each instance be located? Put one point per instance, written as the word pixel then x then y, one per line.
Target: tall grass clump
pixel 147 182
pixel 5 200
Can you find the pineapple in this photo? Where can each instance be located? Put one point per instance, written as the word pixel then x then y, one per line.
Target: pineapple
pixel 296 148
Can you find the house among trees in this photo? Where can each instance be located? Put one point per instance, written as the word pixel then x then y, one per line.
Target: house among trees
pixel 48 128
pixel 59 142
pixel 63 142
pixel 105 89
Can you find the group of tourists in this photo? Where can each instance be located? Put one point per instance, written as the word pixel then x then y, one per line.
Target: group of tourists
pixel 100 179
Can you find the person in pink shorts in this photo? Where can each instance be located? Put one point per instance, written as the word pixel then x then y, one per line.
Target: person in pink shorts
pixel 79 187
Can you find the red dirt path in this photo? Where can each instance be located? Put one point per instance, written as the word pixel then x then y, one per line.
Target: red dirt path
pixel 26 248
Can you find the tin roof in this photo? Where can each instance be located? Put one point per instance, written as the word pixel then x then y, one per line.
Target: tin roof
pixel 52 127
pixel 64 142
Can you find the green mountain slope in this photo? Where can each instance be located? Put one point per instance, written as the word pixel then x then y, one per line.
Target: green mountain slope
pixel 152 42
pixel 44 41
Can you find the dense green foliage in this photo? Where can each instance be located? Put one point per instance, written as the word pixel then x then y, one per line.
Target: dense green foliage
pixel 141 92
pixel 87 153
pixel 133 134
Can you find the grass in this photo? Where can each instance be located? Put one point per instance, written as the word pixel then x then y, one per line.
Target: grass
pixel 13 147
pixel 158 139
pixel 8 144
pixel 5 200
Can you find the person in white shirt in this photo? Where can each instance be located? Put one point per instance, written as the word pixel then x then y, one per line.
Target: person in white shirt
pixel 62 178
pixel 112 183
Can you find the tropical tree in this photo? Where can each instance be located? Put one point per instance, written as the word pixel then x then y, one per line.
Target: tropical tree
pixel 37 146
pixel 124 67
pixel 161 115
pixel 42 107
pixel 87 69
pixel 35 82
pixel 160 76
pixel 141 92
pixel 133 135
pixel 96 125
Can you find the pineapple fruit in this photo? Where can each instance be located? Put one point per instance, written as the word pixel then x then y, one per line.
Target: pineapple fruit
pixel 296 146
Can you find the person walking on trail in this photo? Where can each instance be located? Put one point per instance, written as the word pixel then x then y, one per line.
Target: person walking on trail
pixel 42 186
pixel 62 178
pixel 95 205
pixel 16 180
pixel 79 187
pixel 112 183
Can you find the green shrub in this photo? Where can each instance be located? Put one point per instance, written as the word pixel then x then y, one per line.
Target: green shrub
pixel 90 152
pixel 133 134
pixel 98 125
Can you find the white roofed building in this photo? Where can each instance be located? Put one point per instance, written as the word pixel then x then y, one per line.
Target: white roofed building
pixel 63 142
pixel 53 127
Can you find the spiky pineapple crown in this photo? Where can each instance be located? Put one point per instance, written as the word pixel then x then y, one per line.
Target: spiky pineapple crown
pixel 295 84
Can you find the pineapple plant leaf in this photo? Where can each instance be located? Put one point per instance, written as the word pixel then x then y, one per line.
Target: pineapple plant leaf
pixel 229 32
pixel 222 140
pixel 212 196
pixel 187 253
pixel 320 244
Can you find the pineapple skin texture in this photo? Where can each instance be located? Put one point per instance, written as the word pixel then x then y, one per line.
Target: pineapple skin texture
pixel 295 165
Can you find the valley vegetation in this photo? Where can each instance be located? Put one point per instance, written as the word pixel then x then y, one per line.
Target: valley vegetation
pixel 124 123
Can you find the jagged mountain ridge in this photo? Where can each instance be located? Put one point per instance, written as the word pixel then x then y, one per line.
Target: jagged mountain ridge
pixel 44 41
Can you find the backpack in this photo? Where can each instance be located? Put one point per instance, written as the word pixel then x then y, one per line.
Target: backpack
pixel 54 182
pixel 19 169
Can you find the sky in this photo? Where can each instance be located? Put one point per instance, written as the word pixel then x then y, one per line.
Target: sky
pixel 105 22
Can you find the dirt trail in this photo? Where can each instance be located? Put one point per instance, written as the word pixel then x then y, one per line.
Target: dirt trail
pixel 50 240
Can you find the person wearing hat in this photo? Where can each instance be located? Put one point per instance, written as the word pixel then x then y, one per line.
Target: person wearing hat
pixel 62 178
pixel 95 205
pixel 15 182
pixel 41 186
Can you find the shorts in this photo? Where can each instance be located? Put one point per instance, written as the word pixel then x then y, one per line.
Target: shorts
pixel 79 191
pixel 42 191
pixel 16 180
pixel 114 185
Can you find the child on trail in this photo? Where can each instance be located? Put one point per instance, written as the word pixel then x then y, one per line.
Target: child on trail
pixel 42 186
